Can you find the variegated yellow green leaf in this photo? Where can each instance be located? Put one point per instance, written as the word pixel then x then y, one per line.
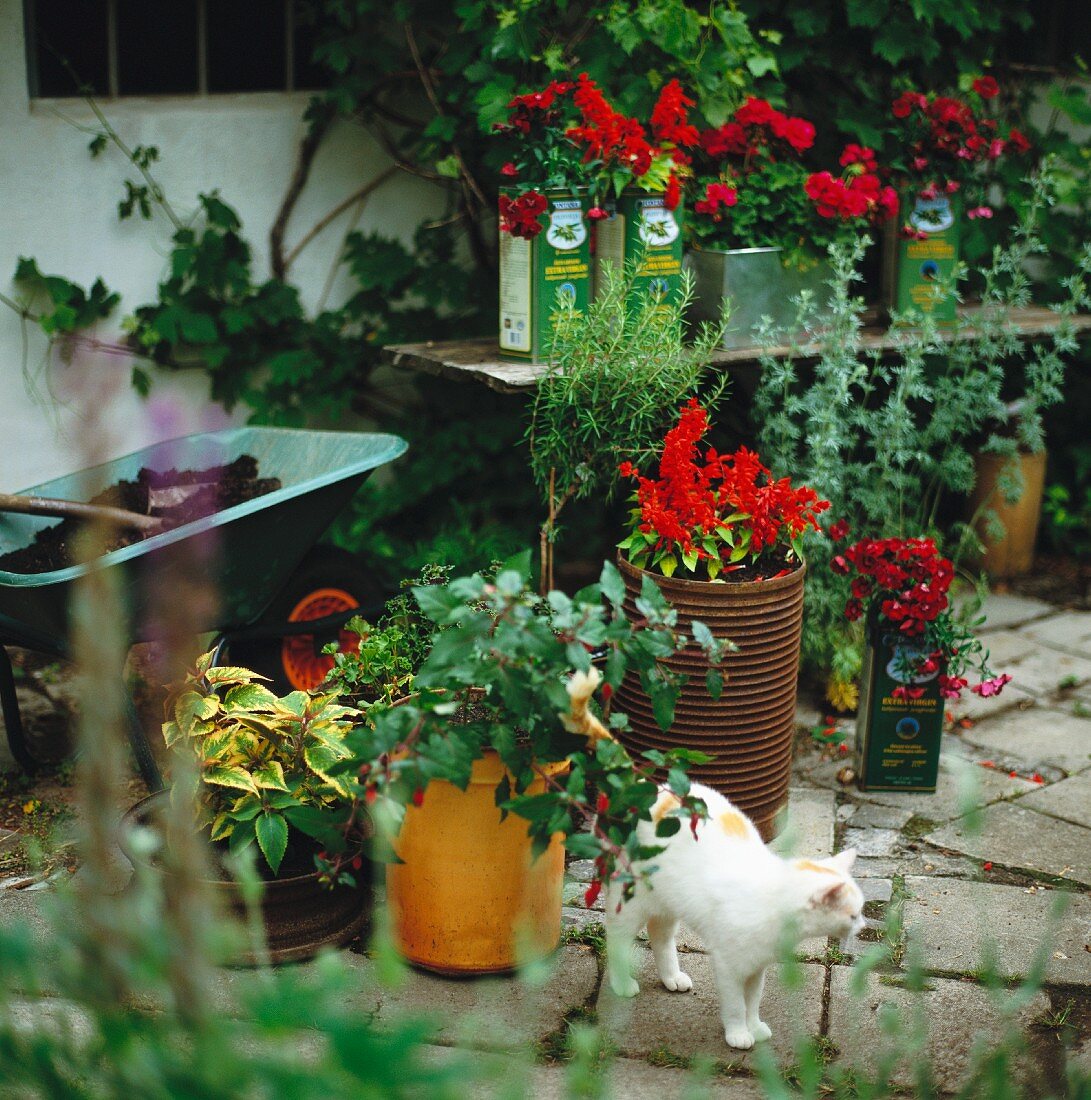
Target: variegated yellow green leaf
pixel 171 733
pixel 320 758
pixel 221 827
pixel 227 674
pixel 191 707
pixel 249 697
pixel 229 776
pixel 270 776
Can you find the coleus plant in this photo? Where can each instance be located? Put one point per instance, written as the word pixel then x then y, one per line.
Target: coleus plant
pixel 944 142
pixel 568 136
pixel 265 765
pixel 902 584
pixel 751 187
pixel 712 514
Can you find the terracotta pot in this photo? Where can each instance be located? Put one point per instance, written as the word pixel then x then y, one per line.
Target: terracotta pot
pixel 300 915
pixel 1012 555
pixel 467 897
pixel 749 729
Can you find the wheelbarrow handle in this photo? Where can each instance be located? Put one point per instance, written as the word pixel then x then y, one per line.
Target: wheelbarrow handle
pixel 75 509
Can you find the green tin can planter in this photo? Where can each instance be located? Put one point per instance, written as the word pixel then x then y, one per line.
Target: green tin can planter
pixel 537 275
pixel 641 230
pixel 897 739
pixel 913 267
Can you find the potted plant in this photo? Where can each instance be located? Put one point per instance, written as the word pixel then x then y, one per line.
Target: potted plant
pixel 944 146
pixel 760 221
pixel 571 153
pixel 496 763
pixel 619 370
pixel 265 780
pixel 917 656
pixel 723 540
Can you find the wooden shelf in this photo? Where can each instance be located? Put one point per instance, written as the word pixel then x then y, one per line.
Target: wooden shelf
pixel 479 360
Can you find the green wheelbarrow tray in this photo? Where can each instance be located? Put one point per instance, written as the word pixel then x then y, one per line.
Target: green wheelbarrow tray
pixel 251 548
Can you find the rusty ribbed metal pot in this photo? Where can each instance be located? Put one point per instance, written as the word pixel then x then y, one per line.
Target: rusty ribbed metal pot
pixel 749 729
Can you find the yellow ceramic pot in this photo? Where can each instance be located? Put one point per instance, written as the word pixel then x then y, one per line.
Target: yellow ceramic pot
pixel 467 898
pixel 1012 555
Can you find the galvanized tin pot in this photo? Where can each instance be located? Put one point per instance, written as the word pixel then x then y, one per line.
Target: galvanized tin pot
pixel 299 914
pixel 757 284
pixel 749 729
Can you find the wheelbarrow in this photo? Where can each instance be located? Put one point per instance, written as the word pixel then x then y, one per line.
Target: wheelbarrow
pixel 259 544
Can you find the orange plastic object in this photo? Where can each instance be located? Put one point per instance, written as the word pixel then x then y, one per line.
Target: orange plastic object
pixel 303 668
pixel 468 899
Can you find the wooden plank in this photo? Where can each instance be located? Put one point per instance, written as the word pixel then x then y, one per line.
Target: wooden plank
pixel 479 360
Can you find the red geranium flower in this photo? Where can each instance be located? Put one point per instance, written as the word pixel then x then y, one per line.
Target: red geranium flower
pixel 986 87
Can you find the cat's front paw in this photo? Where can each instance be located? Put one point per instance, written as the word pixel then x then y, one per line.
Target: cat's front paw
pixel 625 987
pixel 762 1031
pixel 740 1037
pixel 680 983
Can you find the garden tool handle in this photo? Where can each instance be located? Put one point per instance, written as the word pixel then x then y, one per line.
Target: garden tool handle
pixel 75 509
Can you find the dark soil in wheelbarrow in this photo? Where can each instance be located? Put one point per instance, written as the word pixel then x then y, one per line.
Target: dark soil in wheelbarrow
pixel 206 492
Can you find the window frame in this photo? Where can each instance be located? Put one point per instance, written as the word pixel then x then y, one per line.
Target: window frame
pixel 113 90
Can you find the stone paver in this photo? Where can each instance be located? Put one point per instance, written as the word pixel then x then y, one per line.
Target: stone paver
pixel 954 923
pixel 1045 736
pixel 502 1076
pixel 499 1012
pixel 1012 836
pixel 1004 611
pixel 1070 631
pixel 1034 667
pixel 1069 799
pixel 873 842
pixel 688 1024
pixel 809 830
pixel 874 815
pixel 952 1016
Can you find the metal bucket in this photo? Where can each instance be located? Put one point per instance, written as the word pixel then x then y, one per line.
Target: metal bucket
pixel 749 729
pixel 757 284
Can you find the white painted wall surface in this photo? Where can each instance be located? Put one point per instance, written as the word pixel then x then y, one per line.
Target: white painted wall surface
pixel 60 206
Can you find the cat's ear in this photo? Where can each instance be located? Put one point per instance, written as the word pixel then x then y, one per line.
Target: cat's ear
pixel 828 897
pixel 843 861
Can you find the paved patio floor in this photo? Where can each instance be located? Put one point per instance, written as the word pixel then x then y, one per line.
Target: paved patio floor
pixel 977 870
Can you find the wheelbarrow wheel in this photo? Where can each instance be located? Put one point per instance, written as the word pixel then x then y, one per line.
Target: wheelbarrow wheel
pixel 329 581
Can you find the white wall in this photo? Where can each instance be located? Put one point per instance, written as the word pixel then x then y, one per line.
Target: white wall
pixel 60 206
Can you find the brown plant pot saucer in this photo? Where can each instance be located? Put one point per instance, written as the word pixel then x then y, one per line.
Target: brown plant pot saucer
pixel 300 915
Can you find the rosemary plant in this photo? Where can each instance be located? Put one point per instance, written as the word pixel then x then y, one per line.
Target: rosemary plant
pixel 887 435
pixel 618 373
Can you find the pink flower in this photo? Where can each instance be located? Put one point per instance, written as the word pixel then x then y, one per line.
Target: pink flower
pixel 991 687
pixel 920 163
pixel 509 169
pixel 596 213
pixel 979 212
pixel 952 186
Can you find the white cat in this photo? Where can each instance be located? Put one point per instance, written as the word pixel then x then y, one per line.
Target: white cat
pixel 744 902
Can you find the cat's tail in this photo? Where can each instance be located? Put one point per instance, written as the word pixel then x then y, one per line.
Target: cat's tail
pixel 579 719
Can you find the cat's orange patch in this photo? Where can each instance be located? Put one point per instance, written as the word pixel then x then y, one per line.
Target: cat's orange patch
pixel 733 823
pixel 809 865
pixel 666 803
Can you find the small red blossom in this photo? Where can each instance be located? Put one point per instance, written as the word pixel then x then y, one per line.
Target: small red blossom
pixel 509 170
pixel 519 216
pixel 418 797
pixel 986 87
pixel 1017 142
pixel 694 821
pixel 979 212
pixel 1013 775
pixel 602 803
pixel 1037 777
pixel 607 693
pixel 987 865
pixel 839 530
pixel 597 213
pixel 370 794
pixel 987 763
pixel 592 893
